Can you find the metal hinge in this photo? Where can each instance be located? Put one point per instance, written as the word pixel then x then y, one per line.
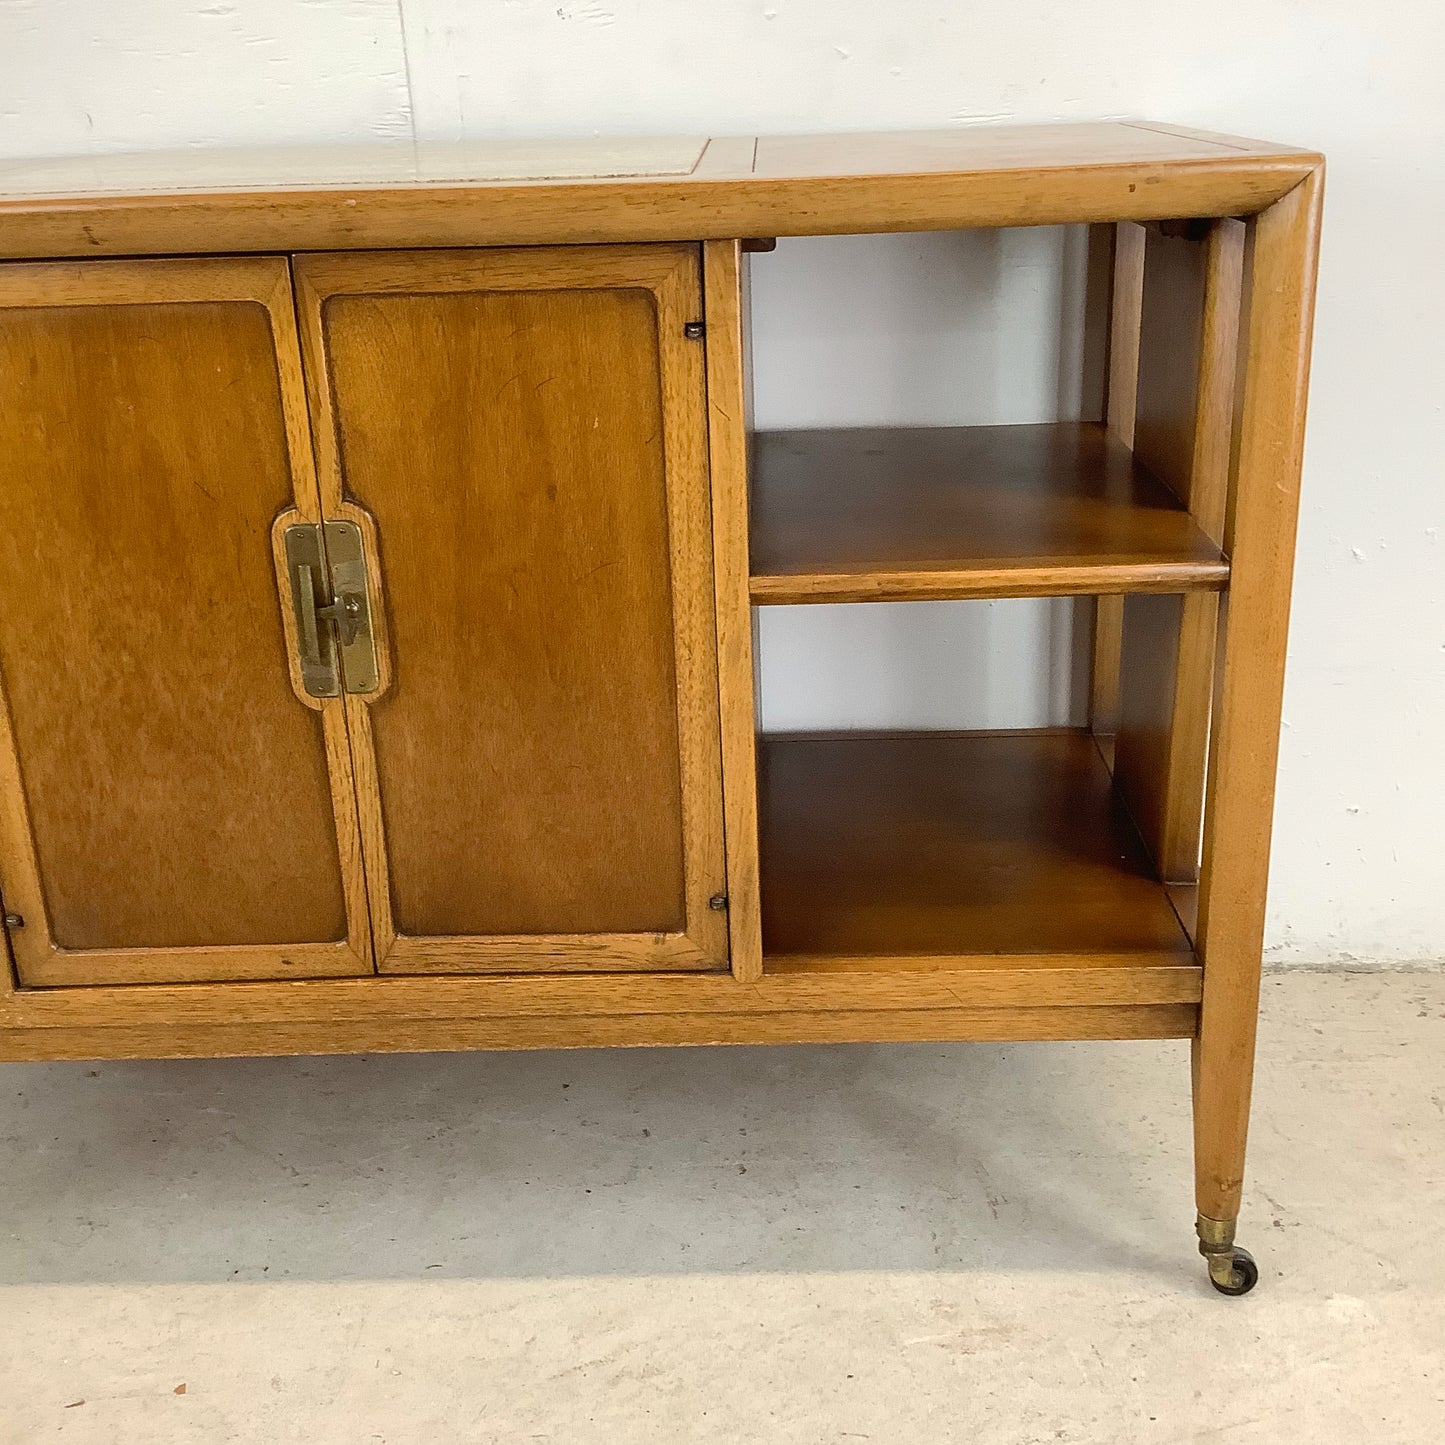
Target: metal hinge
pixel 694 330
pixel 327 568
pixel 718 902
pixel 14 920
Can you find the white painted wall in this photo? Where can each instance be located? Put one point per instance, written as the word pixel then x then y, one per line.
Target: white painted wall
pixel 1360 870
pixel 951 329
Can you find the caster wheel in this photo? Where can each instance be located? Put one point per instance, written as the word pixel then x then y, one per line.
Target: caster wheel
pixel 1242 1274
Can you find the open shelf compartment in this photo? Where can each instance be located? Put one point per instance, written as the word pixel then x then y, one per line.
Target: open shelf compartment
pixel 899 513
pixel 963 850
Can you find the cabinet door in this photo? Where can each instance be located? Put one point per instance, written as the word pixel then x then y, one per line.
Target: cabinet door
pixel 172 807
pixel 539 770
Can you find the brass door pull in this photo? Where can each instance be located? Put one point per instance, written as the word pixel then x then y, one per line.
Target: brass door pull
pixel 303 587
pixel 333 608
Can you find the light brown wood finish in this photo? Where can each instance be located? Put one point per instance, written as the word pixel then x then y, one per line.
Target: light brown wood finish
pixel 384 1035
pixel 1188 344
pixel 723 281
pixel 899 513
pixel 168 810
pixel 891 844
pixel 1125 305
pixel 792 985
pixel 915 984
pixel 1106 657
pixel 1186 402
pixel 540 787
pixel 1185 898
pixel 1159 681
pixel 1244 742
pixel 399 196
pixel 885 952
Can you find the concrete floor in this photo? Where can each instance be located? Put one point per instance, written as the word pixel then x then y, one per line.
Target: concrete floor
pixel 980 1243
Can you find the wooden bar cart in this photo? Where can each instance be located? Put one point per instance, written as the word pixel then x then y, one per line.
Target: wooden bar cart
pixel 381 533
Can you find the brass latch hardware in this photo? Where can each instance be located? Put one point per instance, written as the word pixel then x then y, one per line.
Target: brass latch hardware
pixel 333 608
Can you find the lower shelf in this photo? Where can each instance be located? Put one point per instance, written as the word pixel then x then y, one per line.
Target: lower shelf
pixel 915 887
pixel 965 848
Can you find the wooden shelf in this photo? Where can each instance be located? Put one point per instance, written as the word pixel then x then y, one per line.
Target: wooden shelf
pixel 898 513
pixel 950 849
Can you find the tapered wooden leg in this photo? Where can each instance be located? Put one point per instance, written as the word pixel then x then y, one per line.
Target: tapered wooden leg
pixel 1219 1161
pixel 1222 1070
pixel 1244 741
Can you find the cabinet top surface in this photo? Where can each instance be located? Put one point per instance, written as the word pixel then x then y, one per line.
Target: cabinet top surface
pixel 634 188
pixel 629 158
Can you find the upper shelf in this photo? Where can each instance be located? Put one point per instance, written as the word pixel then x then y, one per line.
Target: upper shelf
pixel 529 192
pixel 898 513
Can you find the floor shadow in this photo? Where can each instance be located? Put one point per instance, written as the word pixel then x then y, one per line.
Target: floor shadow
pixel 633 1162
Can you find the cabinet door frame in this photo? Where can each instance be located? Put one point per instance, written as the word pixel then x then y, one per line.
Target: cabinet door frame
pixel 673 274
pixel 39 960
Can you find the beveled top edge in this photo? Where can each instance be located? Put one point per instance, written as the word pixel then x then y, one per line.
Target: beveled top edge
pixel 592 162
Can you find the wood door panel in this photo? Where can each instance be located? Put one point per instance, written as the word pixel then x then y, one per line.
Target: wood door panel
pixel 488 437
pixel 171 810
pixel 545 755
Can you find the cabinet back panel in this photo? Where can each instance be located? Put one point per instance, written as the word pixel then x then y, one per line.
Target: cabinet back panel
pixel 177 791
pixel 510 447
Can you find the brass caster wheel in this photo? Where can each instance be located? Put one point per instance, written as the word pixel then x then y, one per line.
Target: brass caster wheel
pixel 1231 1270
pixel 1233 1273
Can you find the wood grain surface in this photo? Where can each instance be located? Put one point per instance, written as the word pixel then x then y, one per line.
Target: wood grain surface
pixel 387 1035
pixel 728 394
pixel 1189 347
pixel 952 843
pixel 170 807
pixel 908 886
pixel 897 513
pixel 540 783
pixel 1126 299
pixel 1244 739
pixel 328 197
